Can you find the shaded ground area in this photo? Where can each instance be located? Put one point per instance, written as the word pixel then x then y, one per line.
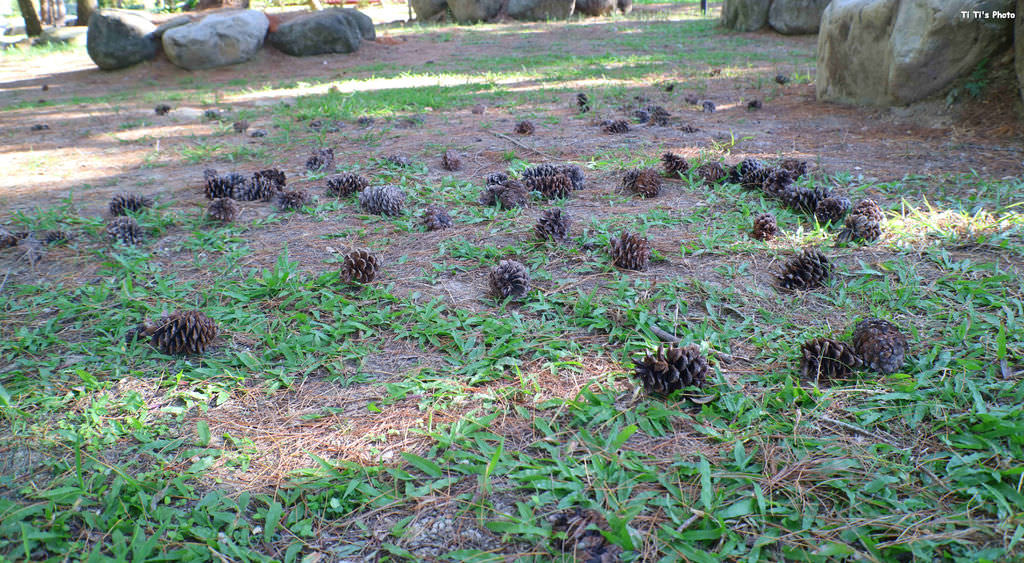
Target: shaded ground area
pixel 417 417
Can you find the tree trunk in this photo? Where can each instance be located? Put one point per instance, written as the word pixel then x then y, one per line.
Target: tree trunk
pixel 44 12
pixel 85 9
pixel 28 12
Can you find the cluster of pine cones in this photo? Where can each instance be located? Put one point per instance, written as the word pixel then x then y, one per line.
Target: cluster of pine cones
pixel 877 344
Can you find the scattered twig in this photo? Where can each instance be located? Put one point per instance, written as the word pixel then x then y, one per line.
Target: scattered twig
pixel 855 429
pixel 517 143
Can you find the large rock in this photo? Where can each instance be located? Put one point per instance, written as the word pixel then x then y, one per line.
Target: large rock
pixel 219 39
pixel 469 11
pixel 426 9
pixel 745 15
pixel 595 7
pixel 540 9
pixel 889 52
pixel 64 35
pixel 337 30
pixel 796 17
pixel 119 39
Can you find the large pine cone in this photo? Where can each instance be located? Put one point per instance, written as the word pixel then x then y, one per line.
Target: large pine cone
pixel 382 200
pixel 644 182
pixel 322 160
pixel 778 182
pixel 125 230
pixel 495 178
pixel 583 538
pixel 360 266
pixel 831 209
pixel 346 184
pixel 868 208
pixel 674 164
pixel 615 126
pixel 398 160
pixel 659 116
pixel 582 102
pixel 509 279
pixel 573 172
pixel 184 332
pixel 739 173
pixel 765 227
pixel 265 185
pixel 824 358
pixel 669 370
pixel 223 209
pixel 436 218
pixel 807 270
pixel 272 175
pixel 450 161
pixel 553 224
pixel 859 227
pixel 631 251
pixel 222 186
pixel 550 187
pixel 292 200
pixel 57 236
pixel 525 128
pixel 124 202
pixel 509 194
pixel 881 344
pixel 8 239
pixel 795 167
pixel 804 199
pixel 711 172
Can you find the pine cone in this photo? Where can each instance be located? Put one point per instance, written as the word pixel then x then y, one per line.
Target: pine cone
pixel 583 538
pixel 765 227
pixel 740 173
pixel 223 209
pixel 509 279
pixel 669 370
pixel 615 126
pixel 881 344
pixel 162 109
pixel 397 160
pixel 755 179
pixel 124 202
pixel 658 116
pixel 573 172
pixel 794 166
pixel 496 178
pixel 264 186
pixel 125 230
pixel 272 175
pixel 553 224
pixel 644 182
pixel 509 194
pixel 631 252
pixel 550 187
pixel 641 115
pixel 804 199
pixel 674 164
pixel 781 78
pixel 346 184
pixel 184 332
pixel 436 218
pixel 222 186
pixel 778 182
pixel 322 160
pixel 382 200
pixel 582 102
pixel 824 358
pixel 807 270
pixel 831 209
pixel 292 200
pixel 525 128
pixel 868 208
pixel 57 236
pixel 707 106
pixel 450 161
pixel 360 266
pixel 859 228
pixel 754 105
pixel 8 239
pixel 711 172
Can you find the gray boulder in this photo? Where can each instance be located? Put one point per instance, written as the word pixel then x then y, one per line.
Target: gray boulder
pixel 540 9
pixel 337 30
pixel 596 7
pixel 426 9
pixel 171 23
pixel 796 17
pixel 64 35
pixel 1018 45
pixel 219 39
pixel 895 52
pixel 469 11
pixel 745 15
pixel 119 39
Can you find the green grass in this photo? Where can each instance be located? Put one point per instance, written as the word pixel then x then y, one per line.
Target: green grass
pixel 330 420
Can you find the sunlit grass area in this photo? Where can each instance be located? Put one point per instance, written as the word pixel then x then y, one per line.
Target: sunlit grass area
pixel 417 418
